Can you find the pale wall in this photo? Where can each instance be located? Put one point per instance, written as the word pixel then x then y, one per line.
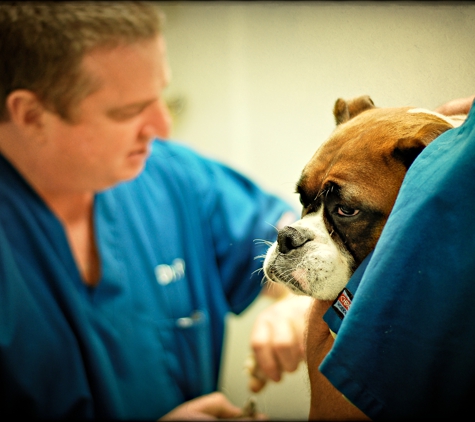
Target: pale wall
pixel 259 80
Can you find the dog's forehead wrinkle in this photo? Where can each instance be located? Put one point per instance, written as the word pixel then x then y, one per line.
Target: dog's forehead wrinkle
pixel 351 193
pixel 314 187
pixel 309 190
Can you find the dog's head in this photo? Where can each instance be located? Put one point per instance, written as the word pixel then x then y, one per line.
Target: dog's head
pixel 347 191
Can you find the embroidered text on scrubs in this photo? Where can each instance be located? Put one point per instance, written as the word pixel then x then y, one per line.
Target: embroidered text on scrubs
pixel 168 273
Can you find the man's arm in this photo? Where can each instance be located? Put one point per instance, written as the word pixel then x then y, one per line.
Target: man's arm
pixel 456 106
pixel 326 402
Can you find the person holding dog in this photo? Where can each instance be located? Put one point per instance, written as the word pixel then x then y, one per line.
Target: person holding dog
pixel 120 253
pixel 404 350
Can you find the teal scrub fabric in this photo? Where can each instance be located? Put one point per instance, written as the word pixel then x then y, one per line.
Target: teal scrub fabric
pixel 178 248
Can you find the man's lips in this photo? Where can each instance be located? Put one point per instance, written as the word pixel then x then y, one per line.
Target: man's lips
pixel 139 152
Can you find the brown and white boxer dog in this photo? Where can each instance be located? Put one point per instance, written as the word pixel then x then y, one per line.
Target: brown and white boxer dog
pixel 347 191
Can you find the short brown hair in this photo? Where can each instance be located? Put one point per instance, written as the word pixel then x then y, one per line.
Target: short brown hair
pixel 42 45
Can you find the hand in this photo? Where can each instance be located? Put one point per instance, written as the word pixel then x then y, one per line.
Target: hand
pixel 277 340
pixel 457 106
pixel 212 406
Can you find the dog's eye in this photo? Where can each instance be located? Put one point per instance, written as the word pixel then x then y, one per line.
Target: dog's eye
pixel 304 201
pixel 346 211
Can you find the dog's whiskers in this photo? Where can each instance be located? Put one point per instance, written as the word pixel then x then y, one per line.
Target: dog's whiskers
pixel 263 242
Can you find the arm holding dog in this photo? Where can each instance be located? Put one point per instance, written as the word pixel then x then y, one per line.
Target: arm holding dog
pixel 456 106
pixel 327 403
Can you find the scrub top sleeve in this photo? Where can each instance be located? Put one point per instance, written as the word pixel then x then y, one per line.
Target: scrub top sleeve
pixel 243 219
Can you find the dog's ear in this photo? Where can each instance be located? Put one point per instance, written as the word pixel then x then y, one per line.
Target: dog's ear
pixel 345 110
pixel 408 148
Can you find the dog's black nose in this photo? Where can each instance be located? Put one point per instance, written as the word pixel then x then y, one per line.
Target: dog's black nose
pixel 290 238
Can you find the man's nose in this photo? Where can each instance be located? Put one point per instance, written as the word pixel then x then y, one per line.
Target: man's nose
pixel 159 121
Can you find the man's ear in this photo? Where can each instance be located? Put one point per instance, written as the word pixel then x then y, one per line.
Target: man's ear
pixel 26 112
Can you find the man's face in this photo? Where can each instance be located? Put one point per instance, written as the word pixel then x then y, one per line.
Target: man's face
pixel 110 138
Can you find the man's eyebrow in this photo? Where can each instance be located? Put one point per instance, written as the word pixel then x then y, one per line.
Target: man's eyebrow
pixel 130 107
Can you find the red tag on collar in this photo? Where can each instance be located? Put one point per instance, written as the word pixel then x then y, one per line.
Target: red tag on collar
pixel 342 303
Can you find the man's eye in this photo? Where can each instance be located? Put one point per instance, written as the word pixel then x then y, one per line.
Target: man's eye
pixel 126 115
pixel 347 211
pixel 127 112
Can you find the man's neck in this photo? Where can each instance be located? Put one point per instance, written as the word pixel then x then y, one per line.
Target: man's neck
pixel 70 207
pixel 75 211
pixel 67 203
pixel 73 207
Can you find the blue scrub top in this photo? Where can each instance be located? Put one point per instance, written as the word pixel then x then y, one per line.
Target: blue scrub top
pixel 177 247
pixel 406 347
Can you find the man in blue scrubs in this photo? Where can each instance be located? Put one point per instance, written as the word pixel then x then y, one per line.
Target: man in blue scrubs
pixel 405 350
pixel 120 254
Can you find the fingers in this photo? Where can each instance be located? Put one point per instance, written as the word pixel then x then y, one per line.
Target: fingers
pixel 208 407
pixel 221 407
pixel 279 350
pixel 288 347
pixel 256 384
pixel 277 340
pixel 257 379
pixel 262 343
pixel 217 405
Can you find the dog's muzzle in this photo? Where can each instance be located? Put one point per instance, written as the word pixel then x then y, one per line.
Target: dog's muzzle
pixel 307 260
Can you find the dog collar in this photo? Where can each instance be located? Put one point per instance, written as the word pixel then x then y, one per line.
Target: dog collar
pixel 341 305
